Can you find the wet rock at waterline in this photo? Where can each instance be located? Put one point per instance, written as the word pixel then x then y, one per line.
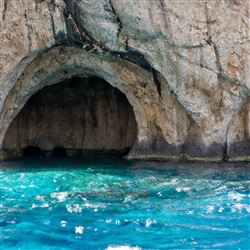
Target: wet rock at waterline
pixel 182 67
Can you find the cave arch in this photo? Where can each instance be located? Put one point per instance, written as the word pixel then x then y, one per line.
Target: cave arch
pixel 57 64
pixel 77 117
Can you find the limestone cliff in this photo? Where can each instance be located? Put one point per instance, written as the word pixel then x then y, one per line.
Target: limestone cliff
pixel 184 67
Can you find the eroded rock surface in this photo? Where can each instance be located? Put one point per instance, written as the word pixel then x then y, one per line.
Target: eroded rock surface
pixel 183 66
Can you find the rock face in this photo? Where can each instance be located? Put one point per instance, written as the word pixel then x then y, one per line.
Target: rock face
pixel 183 66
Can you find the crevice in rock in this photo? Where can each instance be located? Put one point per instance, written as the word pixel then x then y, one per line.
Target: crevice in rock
pixel 120 25
pixel 29 31
pixel 187 60
pixel 53 26
pixel 216 51
pixel 156 81
pixel 127 44
pixel 71 25
pixel 4 9
pixel 51 5
pixel 109 7
pixel 112 7
pixel 222 73
pixel 163 8
pixel 210 40
pixel 134 57
pixel 77 35
pixel 74 19
pixel 74 36
pixel 187 46
pixel 149 37
pixel 37 2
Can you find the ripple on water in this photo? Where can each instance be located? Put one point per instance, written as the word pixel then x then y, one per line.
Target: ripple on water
pixel 124 205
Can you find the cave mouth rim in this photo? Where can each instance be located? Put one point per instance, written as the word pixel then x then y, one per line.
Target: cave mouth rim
pixel 83 153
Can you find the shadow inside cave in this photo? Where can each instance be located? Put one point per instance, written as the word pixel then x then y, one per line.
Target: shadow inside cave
pixel 77 117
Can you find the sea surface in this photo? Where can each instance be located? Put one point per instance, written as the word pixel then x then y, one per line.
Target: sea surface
pixel 120 204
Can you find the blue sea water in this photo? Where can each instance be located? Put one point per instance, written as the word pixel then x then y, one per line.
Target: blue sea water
pixel 121 204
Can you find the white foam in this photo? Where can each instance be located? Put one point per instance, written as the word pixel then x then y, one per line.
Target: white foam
pixel 233 210
pixel 34 205
pixel 63 223
pixel 79 230
pixel 45 205
pixel 128 198
pixel 159 193
pixel 247 207
pixel 210 208
pixel 69 208
pixel 185 189
pixel 61 196
pixel 240 207
pixel 173 182
pixel 46 222
pixel 122 248
pixel 220 209
pixel 235 196
pixel 77 208
pixel 148 222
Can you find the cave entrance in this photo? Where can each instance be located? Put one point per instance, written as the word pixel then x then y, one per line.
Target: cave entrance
pixel 77 117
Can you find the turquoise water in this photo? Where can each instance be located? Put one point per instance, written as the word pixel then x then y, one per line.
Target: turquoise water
pixel 119 204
